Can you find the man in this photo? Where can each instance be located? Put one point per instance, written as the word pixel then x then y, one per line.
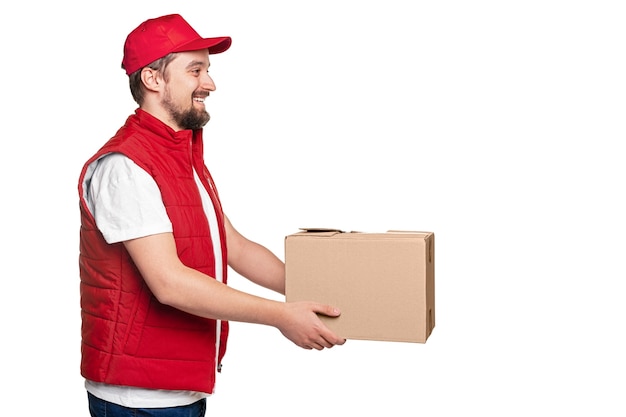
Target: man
pixel 155 244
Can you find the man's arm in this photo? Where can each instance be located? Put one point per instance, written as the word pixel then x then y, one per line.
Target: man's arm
pixel 253 261
pixel 189 290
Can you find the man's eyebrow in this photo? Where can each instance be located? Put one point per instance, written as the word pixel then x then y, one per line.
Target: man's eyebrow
pixel 196 63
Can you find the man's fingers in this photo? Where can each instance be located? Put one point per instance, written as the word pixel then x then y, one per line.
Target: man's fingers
pixel 327 310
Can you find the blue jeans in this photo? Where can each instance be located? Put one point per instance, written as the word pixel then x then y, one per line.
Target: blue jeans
pixel 102 408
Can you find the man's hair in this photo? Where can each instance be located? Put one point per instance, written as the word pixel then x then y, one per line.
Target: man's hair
pixel 137 89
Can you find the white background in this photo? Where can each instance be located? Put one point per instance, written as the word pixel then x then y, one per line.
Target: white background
pixel 498 125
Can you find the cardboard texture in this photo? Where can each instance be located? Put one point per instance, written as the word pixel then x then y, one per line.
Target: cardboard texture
pixel 384 283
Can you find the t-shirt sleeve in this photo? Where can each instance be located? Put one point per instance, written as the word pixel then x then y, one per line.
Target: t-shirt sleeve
pixel 125 200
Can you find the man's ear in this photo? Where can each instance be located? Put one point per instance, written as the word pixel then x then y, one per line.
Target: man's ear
pixel 151 79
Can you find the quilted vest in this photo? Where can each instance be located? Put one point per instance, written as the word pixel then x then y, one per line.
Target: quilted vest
pixel 128 337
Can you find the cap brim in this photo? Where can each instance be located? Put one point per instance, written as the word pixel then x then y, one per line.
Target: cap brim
pixel 214 45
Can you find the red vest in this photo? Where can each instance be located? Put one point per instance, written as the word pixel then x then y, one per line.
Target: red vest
pixel 128 337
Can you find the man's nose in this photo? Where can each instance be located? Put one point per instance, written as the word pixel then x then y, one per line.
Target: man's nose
pixel 208 83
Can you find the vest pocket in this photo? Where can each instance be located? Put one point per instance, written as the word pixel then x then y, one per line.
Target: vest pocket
pixel 136 321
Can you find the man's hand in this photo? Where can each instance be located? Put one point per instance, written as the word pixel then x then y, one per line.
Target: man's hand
pixel 301 325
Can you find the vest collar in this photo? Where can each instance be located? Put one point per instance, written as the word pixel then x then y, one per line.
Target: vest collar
pixel 156 126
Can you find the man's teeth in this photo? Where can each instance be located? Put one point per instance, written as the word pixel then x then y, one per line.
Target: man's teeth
pixel 199 99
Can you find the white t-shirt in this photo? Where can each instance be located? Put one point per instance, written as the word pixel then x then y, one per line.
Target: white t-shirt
pixel 126 204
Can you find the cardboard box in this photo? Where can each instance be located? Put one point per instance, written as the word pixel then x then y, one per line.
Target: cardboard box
pixel 384 283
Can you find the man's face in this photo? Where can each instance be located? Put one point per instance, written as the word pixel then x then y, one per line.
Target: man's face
pixel 188 85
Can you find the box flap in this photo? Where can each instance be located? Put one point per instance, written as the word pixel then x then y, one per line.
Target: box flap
pixel 408 231
pixel 342 234
pixel 317 232
pixel 319 229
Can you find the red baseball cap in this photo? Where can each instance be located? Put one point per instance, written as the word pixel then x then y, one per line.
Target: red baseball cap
pixel 155 38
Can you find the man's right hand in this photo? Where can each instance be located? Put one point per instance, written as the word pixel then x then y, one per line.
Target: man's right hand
pixel 302 326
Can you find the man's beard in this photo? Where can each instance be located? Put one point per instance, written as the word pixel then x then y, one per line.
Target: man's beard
pixel 190 118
